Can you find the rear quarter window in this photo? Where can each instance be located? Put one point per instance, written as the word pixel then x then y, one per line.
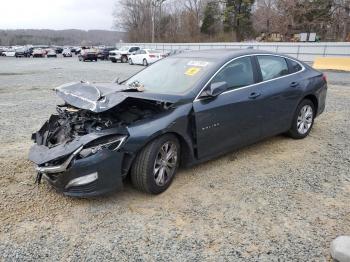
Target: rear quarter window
pixel 294 66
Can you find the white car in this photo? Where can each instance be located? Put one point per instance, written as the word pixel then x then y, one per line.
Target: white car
pixel 122 54
pixel 9 52
pixel 67 53
pixel 145 57
pixel 51 53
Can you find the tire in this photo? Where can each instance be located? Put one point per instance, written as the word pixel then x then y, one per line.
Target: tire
pixel 143 171
pixel 303 120
pixel 114 61
pixel 124 59
pixel 130 61
pixel 144 62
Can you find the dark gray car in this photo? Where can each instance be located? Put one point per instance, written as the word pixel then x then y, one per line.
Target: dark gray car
pixel 184 109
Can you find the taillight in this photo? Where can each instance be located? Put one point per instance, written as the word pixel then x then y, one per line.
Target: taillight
pixel 152 56
pixel 324 77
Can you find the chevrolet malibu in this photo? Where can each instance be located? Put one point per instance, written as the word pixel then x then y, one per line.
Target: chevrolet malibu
pixel 182 110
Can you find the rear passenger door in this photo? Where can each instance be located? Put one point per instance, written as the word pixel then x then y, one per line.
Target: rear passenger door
pixel 280 93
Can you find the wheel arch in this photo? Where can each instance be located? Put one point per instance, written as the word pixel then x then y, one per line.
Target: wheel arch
pixel 314 100
pixel 186 154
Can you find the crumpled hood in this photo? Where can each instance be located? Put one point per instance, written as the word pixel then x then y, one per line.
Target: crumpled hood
pixel 104 96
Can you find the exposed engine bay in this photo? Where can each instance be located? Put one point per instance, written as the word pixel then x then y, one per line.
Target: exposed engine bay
pixel 71 122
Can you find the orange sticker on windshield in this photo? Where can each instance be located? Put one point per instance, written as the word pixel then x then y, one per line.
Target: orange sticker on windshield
pixel 192 71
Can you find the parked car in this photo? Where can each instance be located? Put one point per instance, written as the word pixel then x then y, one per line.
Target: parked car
pixel 103 54
pixel 39 52
pixel 145 57
pixel 76 50
pixel 88 55
pixel 9 53
pixel 67 53
pixel 51 53
pixel 58 50
pixel 122 54
pixel 23 52
pixel 184 109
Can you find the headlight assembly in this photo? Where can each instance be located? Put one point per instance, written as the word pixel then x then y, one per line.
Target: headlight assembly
pixel 112 143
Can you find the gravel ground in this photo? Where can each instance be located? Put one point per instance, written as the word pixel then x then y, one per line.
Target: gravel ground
pixel 277 200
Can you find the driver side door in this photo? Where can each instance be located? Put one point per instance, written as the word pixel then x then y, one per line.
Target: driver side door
pixel 233 118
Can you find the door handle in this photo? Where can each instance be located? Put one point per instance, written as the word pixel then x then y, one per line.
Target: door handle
pixel 294 84
pixel 254 95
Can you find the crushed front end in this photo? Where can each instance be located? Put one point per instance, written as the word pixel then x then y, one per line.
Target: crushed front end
pixel 80 152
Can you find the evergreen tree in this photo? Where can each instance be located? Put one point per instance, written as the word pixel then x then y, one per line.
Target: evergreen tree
pixel 211 18
pixel 237 18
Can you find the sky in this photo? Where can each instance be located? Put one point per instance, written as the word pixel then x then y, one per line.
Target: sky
pixel 57 14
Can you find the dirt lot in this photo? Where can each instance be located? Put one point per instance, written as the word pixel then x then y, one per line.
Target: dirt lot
pixel 280 199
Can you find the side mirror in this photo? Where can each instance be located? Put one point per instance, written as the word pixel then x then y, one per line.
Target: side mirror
pixel 216 89
pixel 133 53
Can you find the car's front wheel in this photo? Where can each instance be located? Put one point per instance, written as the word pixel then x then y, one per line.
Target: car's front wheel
pixel 303 119
pixel 130 61
pixel 156 165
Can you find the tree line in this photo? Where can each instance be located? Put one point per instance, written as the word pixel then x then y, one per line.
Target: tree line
pixel 59 37
pixel 231 20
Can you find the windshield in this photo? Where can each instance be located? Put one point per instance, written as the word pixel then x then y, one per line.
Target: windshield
pixel 171 75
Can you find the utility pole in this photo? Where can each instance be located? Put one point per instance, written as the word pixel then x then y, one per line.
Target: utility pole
pixel 154 5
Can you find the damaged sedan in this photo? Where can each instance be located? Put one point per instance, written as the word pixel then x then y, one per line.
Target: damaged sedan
pixel 182 110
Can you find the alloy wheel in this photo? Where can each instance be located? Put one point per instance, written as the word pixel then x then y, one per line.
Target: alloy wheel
pixel 165 163
pixel 305 118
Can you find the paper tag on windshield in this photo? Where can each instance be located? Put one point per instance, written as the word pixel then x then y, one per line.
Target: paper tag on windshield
pixel 198 63
pixel 192 71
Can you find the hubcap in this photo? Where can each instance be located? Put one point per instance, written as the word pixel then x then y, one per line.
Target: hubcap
pixel 304 120
pixel 165 163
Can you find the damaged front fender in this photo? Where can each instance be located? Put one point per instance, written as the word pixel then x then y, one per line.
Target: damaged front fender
pixel 40 154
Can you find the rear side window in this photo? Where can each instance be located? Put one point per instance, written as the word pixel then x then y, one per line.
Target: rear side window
pixel 294 66
pixel 236 74
pixel 272 66
pixel 133 49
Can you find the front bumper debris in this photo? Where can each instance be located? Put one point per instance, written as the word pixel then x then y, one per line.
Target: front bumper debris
pixel 94 175
pixel 59 168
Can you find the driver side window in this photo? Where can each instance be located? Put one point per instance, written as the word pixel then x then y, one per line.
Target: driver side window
pixel 238 73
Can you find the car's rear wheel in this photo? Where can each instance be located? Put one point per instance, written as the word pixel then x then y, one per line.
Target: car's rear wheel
pixel 303 119
pixel 130 61
pixel 156 165
pixel 124 59
pixel 145 63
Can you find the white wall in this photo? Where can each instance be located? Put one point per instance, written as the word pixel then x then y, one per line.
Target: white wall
pixel 303 51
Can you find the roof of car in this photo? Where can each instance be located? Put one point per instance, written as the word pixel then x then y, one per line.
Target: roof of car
pixel 221 54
